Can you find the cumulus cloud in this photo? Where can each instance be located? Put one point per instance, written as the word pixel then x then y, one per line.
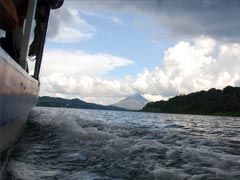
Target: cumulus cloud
pixel 76 75
pixel 77 63
pixel 66 26
pixel 86 86
pixel 187 67
pixel 219 19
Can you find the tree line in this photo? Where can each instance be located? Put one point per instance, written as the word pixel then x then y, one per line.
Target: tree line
pixel 211 102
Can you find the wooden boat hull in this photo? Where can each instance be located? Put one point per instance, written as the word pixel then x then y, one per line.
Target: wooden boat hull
pixel 18 94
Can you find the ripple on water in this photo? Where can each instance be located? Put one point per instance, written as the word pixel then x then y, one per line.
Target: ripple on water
pixel 109 145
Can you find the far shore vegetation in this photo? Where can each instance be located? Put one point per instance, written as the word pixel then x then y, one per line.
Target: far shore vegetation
pixel 216 102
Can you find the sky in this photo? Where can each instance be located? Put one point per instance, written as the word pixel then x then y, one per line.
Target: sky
pixel 104 50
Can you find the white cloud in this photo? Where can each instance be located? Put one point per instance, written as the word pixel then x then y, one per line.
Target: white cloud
pixel 111 18
pixel 73 73
pixel 77 63
pixel 67 26
pixel 153 98
pixel 67 35
pixel 86 87
pixel 187 67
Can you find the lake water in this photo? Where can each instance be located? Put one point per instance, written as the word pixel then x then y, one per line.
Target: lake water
pixel 75 144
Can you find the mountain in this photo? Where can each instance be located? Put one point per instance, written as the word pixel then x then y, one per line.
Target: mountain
pixel 47 101
pixel 134 102
pixel 212 102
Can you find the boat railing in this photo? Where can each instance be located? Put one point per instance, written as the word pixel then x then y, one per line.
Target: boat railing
pixel 28 29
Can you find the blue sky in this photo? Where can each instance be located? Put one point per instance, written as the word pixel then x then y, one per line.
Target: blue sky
pixel 124 38
pixel 104 52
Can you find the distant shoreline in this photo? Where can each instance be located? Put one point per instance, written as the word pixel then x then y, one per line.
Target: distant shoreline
pixel 47 101
pixel 213 102
pixel 217 114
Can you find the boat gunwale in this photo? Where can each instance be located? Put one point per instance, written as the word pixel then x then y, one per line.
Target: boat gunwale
pixel 9 60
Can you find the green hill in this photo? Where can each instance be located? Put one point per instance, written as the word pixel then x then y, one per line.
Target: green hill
pixel 47 101
pixel 211 102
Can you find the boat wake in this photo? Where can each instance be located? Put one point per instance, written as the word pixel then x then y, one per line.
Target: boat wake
pixel 108 145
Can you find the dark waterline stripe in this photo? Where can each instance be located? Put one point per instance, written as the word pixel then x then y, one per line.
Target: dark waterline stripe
pixel 13 106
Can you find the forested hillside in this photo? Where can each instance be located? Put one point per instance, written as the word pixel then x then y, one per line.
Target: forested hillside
pixel 211 102
pixel 72 103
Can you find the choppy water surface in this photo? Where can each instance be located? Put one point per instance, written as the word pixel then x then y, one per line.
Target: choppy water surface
pixel 74 144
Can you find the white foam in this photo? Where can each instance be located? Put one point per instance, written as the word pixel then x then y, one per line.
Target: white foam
pixel 26 171
pixel 191 151
pixel 169 174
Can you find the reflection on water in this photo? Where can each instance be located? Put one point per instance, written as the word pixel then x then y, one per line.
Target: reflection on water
pixel 76 144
